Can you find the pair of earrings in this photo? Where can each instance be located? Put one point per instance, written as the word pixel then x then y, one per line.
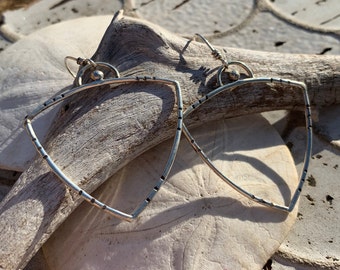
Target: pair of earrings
pixel 97 77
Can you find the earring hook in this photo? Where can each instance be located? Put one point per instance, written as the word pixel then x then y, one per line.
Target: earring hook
pixel 234 75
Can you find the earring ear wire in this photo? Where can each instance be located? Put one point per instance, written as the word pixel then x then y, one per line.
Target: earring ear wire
pixel 234 75
pixel 77 60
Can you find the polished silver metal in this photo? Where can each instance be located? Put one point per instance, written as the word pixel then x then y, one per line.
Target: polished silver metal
pixel 225 63
pixel 238 63
pixel 68 67
pixel 215 53
pixel 95 65
pixel 230 87
pixel 87 64
pixel 97 75
pixel 97 83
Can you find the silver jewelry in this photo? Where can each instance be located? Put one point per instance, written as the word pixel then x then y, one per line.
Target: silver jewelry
pixel 234 75
pixel 87 64
pixel 230 87
pixel 99 80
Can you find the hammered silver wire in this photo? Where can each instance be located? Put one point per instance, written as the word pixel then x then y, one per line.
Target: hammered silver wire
pixel 231 86
pixel 68 182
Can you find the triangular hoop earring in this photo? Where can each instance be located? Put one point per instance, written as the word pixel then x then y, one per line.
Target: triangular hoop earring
pixel 98 80
pixel 230 87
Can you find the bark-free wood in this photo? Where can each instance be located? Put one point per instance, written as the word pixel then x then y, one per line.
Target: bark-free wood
pixel 99 132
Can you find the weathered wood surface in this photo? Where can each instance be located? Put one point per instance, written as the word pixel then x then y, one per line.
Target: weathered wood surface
pixel 31 71
pixel 38 203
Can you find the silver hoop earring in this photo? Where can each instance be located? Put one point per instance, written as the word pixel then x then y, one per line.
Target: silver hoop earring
pixel 230 87
pixel 100 81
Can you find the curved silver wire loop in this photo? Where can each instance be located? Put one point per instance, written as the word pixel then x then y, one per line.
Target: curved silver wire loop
pixel 80 74
pixel 67 181
pixel 225 64
pixel 216 54
pixel 238 63
pixel 87 64
pixel 205 158
pixel 80 61
pixel 67 66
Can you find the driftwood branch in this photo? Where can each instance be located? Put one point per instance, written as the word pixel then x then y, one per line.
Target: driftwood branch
pixel 99 132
